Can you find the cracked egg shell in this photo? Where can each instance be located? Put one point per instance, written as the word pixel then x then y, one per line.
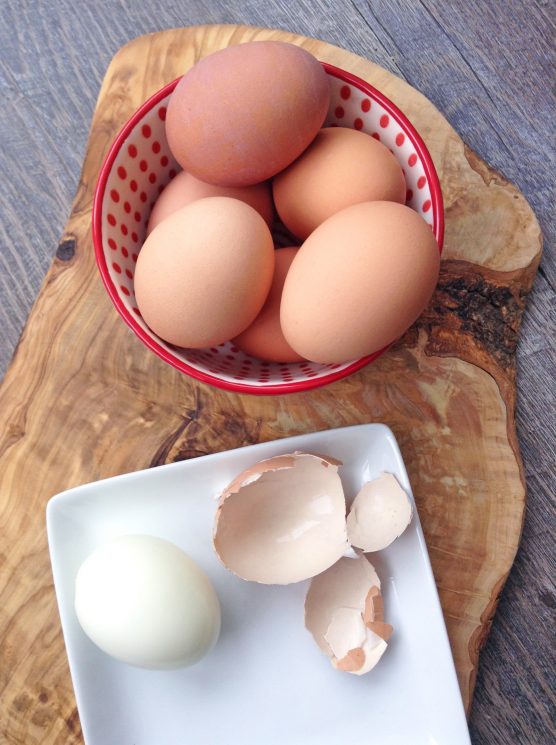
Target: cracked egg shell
pixel 345 614
pixel 282 520
pixel 380 513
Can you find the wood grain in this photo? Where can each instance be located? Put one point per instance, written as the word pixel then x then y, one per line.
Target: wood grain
pixel 250 432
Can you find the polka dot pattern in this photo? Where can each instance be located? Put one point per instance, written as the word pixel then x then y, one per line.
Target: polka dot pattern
pixel 144 165
pixel 130 187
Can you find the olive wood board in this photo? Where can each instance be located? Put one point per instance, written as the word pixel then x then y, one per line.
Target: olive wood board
pixel 83 399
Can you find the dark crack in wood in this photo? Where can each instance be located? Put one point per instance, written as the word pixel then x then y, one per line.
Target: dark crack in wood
pixel 482 305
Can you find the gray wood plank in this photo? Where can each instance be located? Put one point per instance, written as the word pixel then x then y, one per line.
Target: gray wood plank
pixel 486 65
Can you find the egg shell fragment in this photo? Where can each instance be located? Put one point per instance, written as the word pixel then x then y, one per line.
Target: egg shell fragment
pixel 352 662
pixel 366 657
pixel 379 514
pixel 185 188
pixel 358 282
pixel 344 585
pixel 244 113
pixel 204 272
pixel 340 167
pixel 373 615
pixel 282 520
pixel 144 601
pixel 345 632
pixel 343 613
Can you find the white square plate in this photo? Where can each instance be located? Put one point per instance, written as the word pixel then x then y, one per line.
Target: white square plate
pixel 266 682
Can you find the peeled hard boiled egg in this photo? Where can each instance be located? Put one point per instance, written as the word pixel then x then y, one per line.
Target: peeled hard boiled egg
pixel 144 601
pixel 185 188
pixel 204 272
pixel 358 282
pixel 339 168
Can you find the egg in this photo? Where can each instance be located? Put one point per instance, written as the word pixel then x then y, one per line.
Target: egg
pixel 185 188
pixel 264 337
pixel 358 282
pixel 144 601
pixel 244 113
pixel 341 167
pixel 204 272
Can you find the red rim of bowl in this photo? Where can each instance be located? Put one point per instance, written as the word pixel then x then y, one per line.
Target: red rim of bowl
pixel 300 385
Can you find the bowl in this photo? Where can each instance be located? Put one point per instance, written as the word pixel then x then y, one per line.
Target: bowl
pixel 138 167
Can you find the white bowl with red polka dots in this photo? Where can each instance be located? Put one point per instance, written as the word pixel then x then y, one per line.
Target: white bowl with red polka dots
pixel 138 167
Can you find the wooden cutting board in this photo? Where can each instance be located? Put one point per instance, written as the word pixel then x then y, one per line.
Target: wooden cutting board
pixel 84 399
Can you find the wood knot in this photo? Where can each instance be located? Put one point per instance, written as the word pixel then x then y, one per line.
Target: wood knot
pixel 72 721
pixel 473 305
pixel 22 702
pixel 548 599
pixel 66 248
pixel 488 312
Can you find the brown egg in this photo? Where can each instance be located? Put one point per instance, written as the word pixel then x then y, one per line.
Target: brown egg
pixel 244 113
pixel 204 273
pixel 341 167
pixel 358 282
pixel 264 337
pixel 185 188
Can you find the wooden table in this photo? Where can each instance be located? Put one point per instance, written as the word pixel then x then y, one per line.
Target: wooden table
pixel 482 67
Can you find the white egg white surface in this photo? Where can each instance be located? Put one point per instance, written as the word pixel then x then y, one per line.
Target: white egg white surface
pixel 143 601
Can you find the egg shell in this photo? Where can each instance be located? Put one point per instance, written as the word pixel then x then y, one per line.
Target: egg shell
pixel 204 272
pixel 344 613
pixel 264 337
pixel 144 601
pixel 244 113
pixel 339 168
pixel 345 585
pixel 373 614
pixel 282 520
pixel 345 632
pixel 185 188
pixel 379 514
pixel 358 282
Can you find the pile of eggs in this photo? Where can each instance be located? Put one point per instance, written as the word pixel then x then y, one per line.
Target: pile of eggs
pixel 245 124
